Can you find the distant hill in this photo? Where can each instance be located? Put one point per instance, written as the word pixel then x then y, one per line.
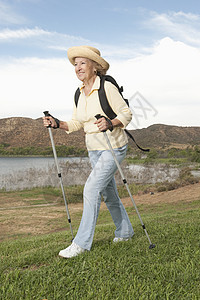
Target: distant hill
pixel 24 132
pixel 167 136
pixel 19 132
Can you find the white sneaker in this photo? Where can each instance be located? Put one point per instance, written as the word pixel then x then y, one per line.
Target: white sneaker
pixel 119 239
pixel 71 251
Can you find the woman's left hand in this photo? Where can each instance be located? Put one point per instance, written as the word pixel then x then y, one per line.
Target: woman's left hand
pixel 102 124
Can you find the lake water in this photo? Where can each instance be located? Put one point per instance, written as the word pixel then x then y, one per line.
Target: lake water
pixel 18 173
pixel 27 172
pixel 10 165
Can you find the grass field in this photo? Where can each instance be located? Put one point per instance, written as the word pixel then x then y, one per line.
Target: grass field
pixel 31 269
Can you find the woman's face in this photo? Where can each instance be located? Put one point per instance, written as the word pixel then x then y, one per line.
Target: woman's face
pixel 84 68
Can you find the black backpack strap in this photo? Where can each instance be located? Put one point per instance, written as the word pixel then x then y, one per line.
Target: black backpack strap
pixel 76 96
pixel 114 82
pixel 106 106
pixel 104 101
pixel 130 135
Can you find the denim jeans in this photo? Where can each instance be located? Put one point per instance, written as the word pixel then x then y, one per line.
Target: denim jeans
pixel 101 182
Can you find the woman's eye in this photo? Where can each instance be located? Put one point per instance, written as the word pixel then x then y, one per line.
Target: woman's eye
pixel 82 63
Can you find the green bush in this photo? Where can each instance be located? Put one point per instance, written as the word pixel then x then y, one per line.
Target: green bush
pixel 62 151
pixel 185 178
pixel 161 188
pixel 195 155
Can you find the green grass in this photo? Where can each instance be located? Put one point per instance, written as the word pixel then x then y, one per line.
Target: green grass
pixel 74 193
pixel 31 269
pixel 45 194
pixel 167 161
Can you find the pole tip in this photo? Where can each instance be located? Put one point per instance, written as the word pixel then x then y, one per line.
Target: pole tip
pixel 152 246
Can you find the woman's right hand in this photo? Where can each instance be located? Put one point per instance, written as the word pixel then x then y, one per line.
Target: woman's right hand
pixel 49 122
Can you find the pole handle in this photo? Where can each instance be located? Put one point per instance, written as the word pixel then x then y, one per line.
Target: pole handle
pixel 46 113
pixel 98 116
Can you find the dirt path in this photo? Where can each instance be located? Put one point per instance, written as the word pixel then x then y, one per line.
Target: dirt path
pixel 17 219
pixel 186 194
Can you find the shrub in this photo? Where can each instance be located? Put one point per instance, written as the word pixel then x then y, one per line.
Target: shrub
pixel 161 188
pixel 196 155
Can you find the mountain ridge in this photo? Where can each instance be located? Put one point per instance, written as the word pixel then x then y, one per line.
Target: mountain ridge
pixel 25 132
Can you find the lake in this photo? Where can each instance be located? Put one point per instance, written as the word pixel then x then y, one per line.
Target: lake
pixel 10 165
pixel 18 173
pixel 27 172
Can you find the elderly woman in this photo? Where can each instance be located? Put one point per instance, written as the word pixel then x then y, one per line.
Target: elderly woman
pixel 88 66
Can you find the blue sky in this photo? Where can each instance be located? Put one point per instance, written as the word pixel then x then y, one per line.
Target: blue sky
pixel 153 48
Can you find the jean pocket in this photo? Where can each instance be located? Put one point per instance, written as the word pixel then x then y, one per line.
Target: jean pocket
pixel 122 150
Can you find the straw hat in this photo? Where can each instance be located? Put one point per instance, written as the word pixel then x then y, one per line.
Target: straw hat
pixel 87 52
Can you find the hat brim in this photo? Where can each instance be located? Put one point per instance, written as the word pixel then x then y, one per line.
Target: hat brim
pixel 83 51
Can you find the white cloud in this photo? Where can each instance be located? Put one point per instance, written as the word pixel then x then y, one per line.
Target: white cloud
pixel 25 33
pixel 168 79
pixel 30 86
pixel 40 39
pixel 189 16
pixel 178 25
pixel 8 16
pixel 8 34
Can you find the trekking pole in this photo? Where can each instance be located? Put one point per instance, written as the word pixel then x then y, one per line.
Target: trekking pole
pixel 46 113
pixel 125 183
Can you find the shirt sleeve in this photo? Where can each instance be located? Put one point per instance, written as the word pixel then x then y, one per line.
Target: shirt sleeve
pixel 117 103
pixel 74 124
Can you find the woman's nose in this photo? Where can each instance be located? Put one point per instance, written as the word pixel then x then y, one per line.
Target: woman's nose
pixel 78 68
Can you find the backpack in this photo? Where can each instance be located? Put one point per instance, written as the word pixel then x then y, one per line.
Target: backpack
pixel 105 104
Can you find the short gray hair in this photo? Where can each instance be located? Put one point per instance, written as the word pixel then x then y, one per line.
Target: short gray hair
pixel 99 68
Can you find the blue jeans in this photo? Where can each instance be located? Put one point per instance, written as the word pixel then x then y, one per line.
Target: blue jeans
pixel 101 182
